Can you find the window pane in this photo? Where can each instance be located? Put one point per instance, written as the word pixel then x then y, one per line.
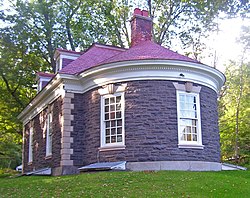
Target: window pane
pixel 194 137
pixel 107 124
pixel 192 114
pixel 107 132
pixel 118 107
pixel 183 137
pixel 106 109
pixel 183 129
pixel 182 105
pixel 189 137
pixel 112 107
pixel 194 130
pixel 188 129
pixel 113 123
pixel 119 130
pixel 118 99
pixel 119 122
pixel 106 116
pixel 185 114
pixel 112 100
pixel 182 97
pixel 112 115
pixel 190 99
pixel 119 138
pixel 118 114
pixel 113 139
pixel 107 139
pixel 106 101
pixel 113 131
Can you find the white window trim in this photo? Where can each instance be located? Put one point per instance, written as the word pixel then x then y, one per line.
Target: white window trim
pixel 30 157
pixel 40 83
pixel 190 144
pixel 58 64
pixel 112 146
pixel 48 145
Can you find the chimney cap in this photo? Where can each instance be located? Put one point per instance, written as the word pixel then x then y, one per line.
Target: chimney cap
pixel 144 13
pixel 137 11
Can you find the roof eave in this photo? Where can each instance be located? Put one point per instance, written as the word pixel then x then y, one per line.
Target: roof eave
pixel 53 89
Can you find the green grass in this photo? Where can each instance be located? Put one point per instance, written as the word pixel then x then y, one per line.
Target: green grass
pixel 131 184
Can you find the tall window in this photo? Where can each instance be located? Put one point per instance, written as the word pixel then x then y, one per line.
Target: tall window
pixel 112 133
pixel 189 127
pixel 30 145
pixel 49 135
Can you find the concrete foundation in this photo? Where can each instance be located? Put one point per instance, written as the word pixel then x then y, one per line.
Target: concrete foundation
pixel 174 165
pixel 65 170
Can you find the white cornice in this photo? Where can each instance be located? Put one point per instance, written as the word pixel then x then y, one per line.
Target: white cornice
pixel 122 72
pixel 49 93
pixel 152 70
pixel 65 54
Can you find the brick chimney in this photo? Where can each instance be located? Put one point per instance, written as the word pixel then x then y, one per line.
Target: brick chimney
pixel 141 27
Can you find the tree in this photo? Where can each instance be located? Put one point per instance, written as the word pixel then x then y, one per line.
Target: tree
pixel 33 30
pixel 235 113
pixel 234 106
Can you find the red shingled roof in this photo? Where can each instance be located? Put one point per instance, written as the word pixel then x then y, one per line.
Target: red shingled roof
pixel 93 56
pixel 102 54
pixel 148 50
pixel 43 74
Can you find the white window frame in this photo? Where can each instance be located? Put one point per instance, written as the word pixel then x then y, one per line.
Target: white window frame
pixel 30 157
pixel 184 143
pixel 49 134
pixel 103 124
pixel 58 64
pixel 40 83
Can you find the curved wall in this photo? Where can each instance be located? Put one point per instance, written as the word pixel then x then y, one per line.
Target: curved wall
pixel 151 132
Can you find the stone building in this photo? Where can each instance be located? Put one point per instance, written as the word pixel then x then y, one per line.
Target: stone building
pixel 147 106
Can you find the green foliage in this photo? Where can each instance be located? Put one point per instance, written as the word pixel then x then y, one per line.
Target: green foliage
pixel 10 150
pixel 234 129
pixel 32 32
pixel 7 172
pixel 17 77
pixel 131 184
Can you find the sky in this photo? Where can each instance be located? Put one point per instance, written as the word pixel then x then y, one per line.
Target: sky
pixel 225 42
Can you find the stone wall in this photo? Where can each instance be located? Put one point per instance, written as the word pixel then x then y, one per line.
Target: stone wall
pixel 151 132
pixel 39 139
pixel 86 124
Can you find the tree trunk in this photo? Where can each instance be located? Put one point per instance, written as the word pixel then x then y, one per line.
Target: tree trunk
pixel 70 35
pixel 236 149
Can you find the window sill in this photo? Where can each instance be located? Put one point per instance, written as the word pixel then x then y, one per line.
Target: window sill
pixel 191 146
pixel 48 156
pixel 112 148
pixel 29 163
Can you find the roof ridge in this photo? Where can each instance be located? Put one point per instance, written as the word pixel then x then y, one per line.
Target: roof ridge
pixel 69 51
pixel 110 59
pixel 109 46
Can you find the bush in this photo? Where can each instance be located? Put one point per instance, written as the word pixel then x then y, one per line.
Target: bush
pixel 6 172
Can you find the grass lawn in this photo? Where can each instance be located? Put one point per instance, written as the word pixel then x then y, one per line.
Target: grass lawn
pixel 131 184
